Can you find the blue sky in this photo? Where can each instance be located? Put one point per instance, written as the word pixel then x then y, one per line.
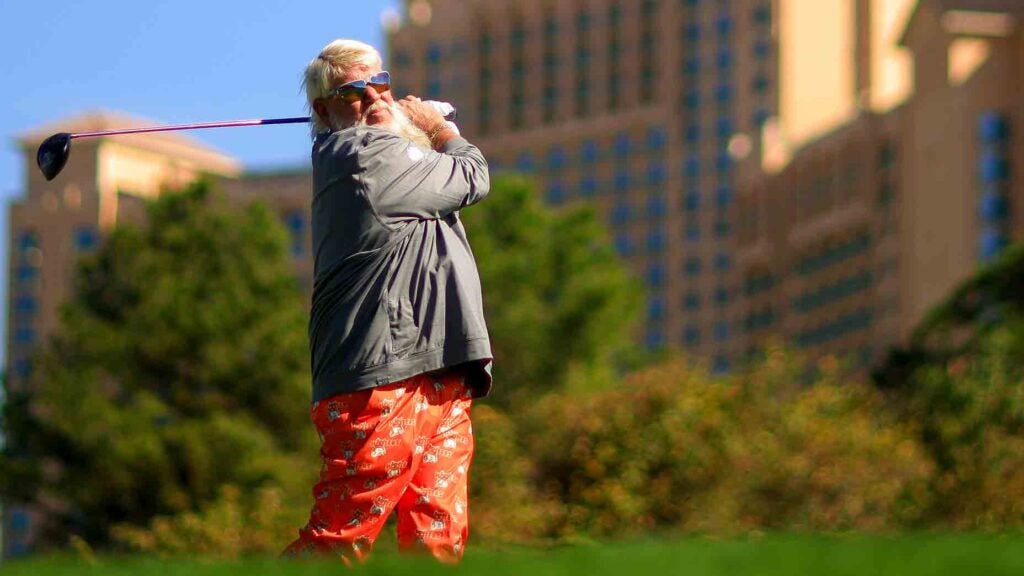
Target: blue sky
pixel 171 61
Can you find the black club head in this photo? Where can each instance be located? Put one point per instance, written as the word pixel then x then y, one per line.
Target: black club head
pixel 53 154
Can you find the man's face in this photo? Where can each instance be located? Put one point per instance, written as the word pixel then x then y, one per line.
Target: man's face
pixel 374 109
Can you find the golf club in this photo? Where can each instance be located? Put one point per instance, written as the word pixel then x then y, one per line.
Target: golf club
pixel 54 151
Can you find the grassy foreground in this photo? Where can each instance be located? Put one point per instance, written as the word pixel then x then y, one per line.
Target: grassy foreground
pixel 904 555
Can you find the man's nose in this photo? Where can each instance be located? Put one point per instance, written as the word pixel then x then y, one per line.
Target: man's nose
pixel 371 94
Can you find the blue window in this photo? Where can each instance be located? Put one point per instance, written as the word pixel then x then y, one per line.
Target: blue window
pixel 760 83
pixel 994 167
pixel 655 241
pixel 588 152
pixel 434 88
pixel 655 338
pixel 25 335
pixel 723 127
pixel 761 116
pixel 993 241
pixel 588 187
pixel 994 206
pixel 655 275
pixel 723 162
pixel 723 94
pixel 721 296
pixel 721 365
pixel 691 336
pixel 27 240
pixel 691 167
pixel 762 49
pixel 556 193
pixel 402 59
pixel 621 214
pixel 656 139
pixel 656 173
pixel 22 367
pixel 724 196
pixel 556 158
pixel 762 14
pixel 621 179
pixel 691 66
pixel 693 133
pixel 656 206
pixel 723 262
pixel 434 53
pixel 993 127
pixel 622 144
pixel 692 201
pixel 295 222
pixel 656 308
pixel 692 32
pixel 691 3
pixel 722 228
pixel 25 305
pixel 724 59
pixel 692 232
pixel 692 266
pixel 623 245
pixel 27 273
pixel 691 301
pixel 721 331
pixel 86 238
pixel 724 25
pixel 524 162
pixel 692 99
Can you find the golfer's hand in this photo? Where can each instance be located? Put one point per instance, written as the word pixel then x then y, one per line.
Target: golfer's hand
pixel 422 115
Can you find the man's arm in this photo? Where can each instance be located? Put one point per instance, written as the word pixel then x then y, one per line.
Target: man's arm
pixel 403 181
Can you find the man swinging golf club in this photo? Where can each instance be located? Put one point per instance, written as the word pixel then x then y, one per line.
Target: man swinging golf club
pixel 397 334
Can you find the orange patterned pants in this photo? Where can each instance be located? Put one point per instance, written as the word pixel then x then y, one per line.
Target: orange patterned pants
pixel 406 447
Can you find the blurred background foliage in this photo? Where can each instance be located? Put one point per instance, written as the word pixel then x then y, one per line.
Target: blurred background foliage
pixel 170 415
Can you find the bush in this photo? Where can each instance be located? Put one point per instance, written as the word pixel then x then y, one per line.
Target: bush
pixel 674 448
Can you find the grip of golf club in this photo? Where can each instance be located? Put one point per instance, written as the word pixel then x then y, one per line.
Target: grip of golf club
pixel 444 108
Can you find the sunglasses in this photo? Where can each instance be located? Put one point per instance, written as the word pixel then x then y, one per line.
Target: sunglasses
pixel 354 91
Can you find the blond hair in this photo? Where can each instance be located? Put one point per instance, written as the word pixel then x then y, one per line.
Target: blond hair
pixel 333 63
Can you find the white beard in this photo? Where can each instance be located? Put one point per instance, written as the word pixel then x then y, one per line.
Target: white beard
pixel 400 124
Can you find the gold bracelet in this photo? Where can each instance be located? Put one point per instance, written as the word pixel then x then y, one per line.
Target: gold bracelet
pixel 437 130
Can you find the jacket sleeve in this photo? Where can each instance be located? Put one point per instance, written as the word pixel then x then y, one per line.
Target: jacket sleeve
pixel 403 181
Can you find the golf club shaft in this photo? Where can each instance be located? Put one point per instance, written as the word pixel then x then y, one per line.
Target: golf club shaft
pixel 197 126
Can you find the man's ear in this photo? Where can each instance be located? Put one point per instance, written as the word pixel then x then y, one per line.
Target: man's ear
pixel 320 108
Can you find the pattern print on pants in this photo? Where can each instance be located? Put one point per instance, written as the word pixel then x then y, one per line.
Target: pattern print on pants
pixel 406 447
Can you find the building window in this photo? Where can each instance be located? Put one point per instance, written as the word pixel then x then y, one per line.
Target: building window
pixel 622 145
pixel 724 196
pixel 524 162
pixel 621 214
pixel 691 166
pixel 723 262
pixel 656 173
pixel 588 152
pixel 24 335
pixel 721 331
pixel 623 245
pixel 86 239
pixel 655 275
pixel 692 266
pixel 721 365
pixel 691 301
pixel 692 201
pixel 693 133
pixel 556 158
pixel 621 179
pixel 722 296
pixel 588 187
pixel 656 206
pixel 993 127
pixel 691 336
pixel 25 305
pixel 556 193
pixel 655 242
pixel 692 232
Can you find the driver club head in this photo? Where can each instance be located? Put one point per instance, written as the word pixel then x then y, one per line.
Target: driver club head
pixel 53 154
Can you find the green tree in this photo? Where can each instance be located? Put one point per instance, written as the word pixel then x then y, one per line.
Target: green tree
pixel 180 367
pixel 560 305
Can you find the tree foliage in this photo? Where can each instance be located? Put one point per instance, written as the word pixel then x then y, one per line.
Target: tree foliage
pixel 180 367
pixel 557 298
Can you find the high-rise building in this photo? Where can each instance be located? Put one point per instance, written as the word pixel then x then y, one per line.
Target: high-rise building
pixel 648 109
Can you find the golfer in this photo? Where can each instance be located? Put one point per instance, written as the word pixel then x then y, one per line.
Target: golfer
pixel 397 335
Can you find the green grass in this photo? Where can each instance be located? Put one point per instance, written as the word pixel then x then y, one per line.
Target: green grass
pixel 777 555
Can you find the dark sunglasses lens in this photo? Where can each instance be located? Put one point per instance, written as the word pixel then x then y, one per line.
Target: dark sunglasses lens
pixel 381 82
pixel 351 93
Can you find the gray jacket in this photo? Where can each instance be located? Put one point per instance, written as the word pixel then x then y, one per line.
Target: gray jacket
pixel 396 290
